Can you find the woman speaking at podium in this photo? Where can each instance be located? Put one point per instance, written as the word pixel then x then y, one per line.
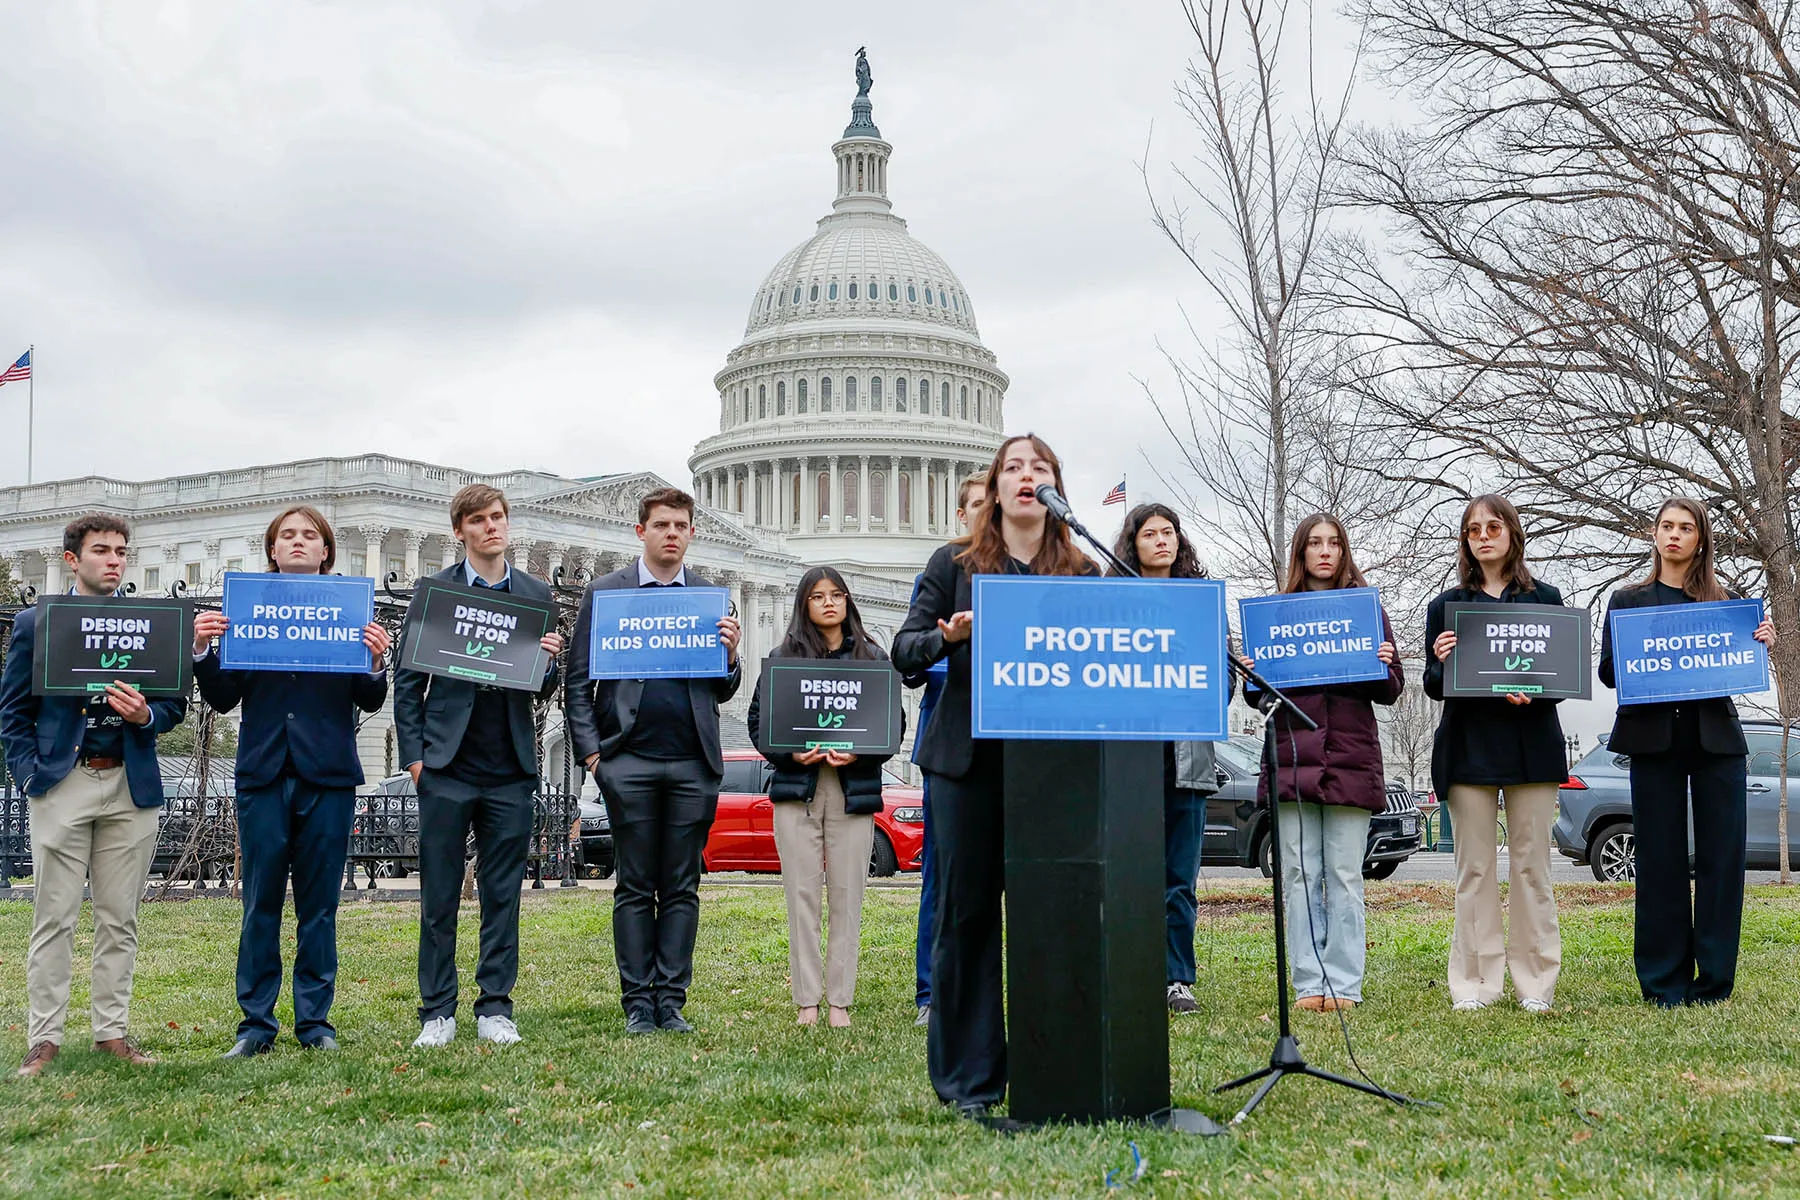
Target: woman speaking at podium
pixel 1012 535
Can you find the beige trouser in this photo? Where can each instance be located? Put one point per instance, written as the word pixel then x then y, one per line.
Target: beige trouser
pixel 1481 951
pixel 822 846
pixel 86 828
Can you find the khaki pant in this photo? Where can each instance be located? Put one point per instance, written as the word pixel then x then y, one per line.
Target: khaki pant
pixel 1481 952
pixel 823 847
pixel 86 828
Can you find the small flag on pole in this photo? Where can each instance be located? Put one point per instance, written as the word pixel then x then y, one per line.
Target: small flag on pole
pixel 1117 495
pixel 19 370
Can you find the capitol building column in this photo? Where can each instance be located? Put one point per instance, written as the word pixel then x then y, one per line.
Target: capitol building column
pixel 918 496
pixel 372 564
pixel 415 541
pixel 521 555
pixel 452 552
pixel 890 515
pixel 863 497
pixel 809 501
pixel 834 519
pixel 53 570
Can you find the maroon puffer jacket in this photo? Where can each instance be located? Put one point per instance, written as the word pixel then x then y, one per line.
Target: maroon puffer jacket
pixel 1340 761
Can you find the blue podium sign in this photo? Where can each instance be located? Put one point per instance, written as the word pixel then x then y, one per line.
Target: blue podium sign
pixel 1688 651
pixel 657 633
pixel 296 622
pixel 1100 659
pixel 1307 639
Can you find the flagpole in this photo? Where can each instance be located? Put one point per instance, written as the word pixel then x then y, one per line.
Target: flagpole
pixel 30 407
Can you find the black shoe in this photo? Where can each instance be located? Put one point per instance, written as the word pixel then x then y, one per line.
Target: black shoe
pixel 972 1110
pixel 247 1048
pixel 670 1020
pixel 639 1021
pixel 325 1043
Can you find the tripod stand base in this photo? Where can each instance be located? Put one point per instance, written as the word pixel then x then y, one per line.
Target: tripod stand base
pixel 1188 1120
pixel 1286 1061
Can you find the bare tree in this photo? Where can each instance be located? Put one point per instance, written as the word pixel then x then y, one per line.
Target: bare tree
pixel 1407 730
pixel 1589 290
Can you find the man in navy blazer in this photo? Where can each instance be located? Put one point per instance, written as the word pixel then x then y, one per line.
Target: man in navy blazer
pixel 297 773
pixel 654 747
pixel 89 772
pixel 472 751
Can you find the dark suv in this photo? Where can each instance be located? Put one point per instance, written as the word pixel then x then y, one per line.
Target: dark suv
pixel 1237 828
pixel 1593 820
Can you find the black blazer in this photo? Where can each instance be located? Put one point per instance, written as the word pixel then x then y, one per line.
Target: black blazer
pixel 1649 728
pixel 307 717
pixel 603 711
pixel 797 781
pixel 43 733
pixel 1497 729
pixel 431 712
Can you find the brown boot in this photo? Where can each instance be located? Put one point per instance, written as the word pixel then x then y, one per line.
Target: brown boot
pixel 122 1048
pixel 38 1059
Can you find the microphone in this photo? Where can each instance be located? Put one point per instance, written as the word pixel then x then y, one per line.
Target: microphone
pixel 1055 501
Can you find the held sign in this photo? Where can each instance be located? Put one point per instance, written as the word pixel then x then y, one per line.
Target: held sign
pixel 1688 651
pixel 84 643
pixel 1307 639
pixel 657 633
pixel 296 622
pixel 829 704
pixel 477 634
pixel 1536 649
pixel 1099 659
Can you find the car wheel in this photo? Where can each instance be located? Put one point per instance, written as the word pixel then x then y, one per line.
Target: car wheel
pixel 1381 870
pixel 1265 856
pixel 1613 856
pixel 882 860
pixel 387 868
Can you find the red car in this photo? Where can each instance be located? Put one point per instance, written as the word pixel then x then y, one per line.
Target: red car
pixel 743 834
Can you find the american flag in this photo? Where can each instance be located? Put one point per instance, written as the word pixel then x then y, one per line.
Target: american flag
pixel 1117 495
pixel 19 370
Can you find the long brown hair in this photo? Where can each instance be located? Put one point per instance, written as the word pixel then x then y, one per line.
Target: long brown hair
pixel 986 552
pixel 1702 582
pixel 318 522
pixel 1347 574
pixel 1513 569
pixel 1187 562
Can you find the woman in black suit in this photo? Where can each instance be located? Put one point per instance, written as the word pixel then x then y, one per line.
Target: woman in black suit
pixel 1683 955
pixel 966 1040
pixel 1483 748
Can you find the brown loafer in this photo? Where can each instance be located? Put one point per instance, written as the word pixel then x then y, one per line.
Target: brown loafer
pixel 1310 1003
pixel 1337 1004
pixel 38 1059
pixel 122 1048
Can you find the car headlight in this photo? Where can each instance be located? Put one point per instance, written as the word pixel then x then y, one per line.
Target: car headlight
pixel 912 816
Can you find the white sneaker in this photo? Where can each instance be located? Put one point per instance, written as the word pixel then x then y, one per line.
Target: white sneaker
pixel 499 1030
pixel 1467 1006
pixel 1532 1004
pixel 437 1032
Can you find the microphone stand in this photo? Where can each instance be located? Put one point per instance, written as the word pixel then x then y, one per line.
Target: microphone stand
pixel 1286 1059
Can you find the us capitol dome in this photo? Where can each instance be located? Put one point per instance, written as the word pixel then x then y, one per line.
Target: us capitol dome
pixel 861 394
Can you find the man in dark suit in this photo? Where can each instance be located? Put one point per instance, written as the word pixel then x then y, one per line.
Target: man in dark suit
pixel 88 769
pixel 655 744
pixel 297 771
pixel 472 750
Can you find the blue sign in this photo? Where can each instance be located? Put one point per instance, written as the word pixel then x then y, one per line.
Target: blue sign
pixel 1307 639
pixel 1105 659
pixel 296 622
pixel 1688 651
pixel 657 633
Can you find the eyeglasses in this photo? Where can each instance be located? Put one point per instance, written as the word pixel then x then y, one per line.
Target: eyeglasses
pixel 828 597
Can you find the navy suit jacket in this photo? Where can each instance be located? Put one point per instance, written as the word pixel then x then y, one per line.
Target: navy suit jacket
pixel 603 711
pixel 304 717
pixel 43 733
pixel 431 712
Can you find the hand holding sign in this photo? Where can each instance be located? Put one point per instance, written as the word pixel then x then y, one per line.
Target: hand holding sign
pixel 1765 633
pixel 552 643
pixel 127 702
pixel 729 633
pixel 375 637
pixel 207 626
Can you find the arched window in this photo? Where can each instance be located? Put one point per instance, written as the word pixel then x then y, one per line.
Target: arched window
pixel 900 394
pixel 780 398
pixel 825 394
pixel 928 299
pixel 853 289
pixel 878 495
pixel 762 402
pixel 875 393
pixel 944 401
pixel 822 497
pixel 905 497
pixel 831 292
pixel 978 399
pixel 850 478
pixel 849 393
pixel 943 299
pixel 912 294
pixel 924 397
pixel 963 404
pixel 893 292
pixel 800 395
pixel 796 293
pixel 931 502
pixel 794 508
pixel 739 507
pixel 874 290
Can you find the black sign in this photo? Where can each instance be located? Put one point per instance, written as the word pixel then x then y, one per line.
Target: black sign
pixel 1537 649
pixel 84 643
pixel 829 704
pixel 477 634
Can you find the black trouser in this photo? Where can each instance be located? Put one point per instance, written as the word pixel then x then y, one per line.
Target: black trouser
pixel 966 1042
pixel 501 818
pixel 661 812
pixel 291 827
pixel 1688 955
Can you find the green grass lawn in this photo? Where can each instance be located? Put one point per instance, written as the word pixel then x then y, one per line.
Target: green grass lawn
pixel 1608 1097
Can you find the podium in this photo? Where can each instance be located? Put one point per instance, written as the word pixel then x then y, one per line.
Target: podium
pixel 1087 1021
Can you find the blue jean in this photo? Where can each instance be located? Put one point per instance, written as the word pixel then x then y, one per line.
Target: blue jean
pixel 1322 848
pixel 927 910
pixel 1184 825
pixel 291 827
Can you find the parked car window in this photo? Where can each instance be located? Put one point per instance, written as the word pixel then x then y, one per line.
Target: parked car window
pixel 743 775
pixel 1765 753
